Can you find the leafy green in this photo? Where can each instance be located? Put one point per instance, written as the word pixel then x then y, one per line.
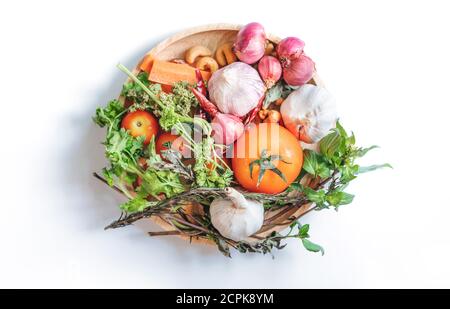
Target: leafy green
pixel 336 162
pixel 109 115
pixel 279 90
pixel 337 198
pixel 135 93
pixel 310 246
pixel 159 177
pixel 123 151
pixel 315 196
pixel 209 171
pixel 134 205
pixel 180 102
pixel 156 182
pixel 182 98
pixel 274 240
pixel 315 164
pixel 365 169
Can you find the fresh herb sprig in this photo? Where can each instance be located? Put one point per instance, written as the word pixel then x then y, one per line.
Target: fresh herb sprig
pixel 336 162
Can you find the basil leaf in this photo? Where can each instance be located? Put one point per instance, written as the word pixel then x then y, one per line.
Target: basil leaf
pixel 330 144
pixel 303 231
pixel 365 169
pixel 310 246
pixel 361 152
pixel 315 165
pixel 337 198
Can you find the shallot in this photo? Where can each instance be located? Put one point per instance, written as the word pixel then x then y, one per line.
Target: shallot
pixel 299 71
pixel 290 49
pixel 250 43
pixel 270 70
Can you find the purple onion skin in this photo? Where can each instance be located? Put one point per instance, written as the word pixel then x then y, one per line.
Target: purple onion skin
pixel 270 70
pixel 250 43
pixel 227 128
pixel 299 71
pixel 290 49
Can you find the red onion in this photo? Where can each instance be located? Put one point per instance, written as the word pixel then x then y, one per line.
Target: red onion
pixel 250 43
pixel 299 71
pixel 290 49
pixel 226 128
pixel 270 70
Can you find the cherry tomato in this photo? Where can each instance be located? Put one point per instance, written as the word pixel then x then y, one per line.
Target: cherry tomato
pixel 267 158
pixel 176 141
pixel 141 123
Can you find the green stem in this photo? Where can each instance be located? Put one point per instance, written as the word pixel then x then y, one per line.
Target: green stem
pixel 123 188
pixel 137 81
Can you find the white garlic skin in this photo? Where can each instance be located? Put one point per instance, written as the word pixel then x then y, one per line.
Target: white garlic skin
pixel 309 113
pixel 235 217
pixel 236 89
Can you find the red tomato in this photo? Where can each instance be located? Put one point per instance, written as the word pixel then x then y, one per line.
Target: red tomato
pixel 176 141
pixel 267 158
pixel 141 123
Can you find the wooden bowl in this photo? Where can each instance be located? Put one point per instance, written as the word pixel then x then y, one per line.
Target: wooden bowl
pixel 213 36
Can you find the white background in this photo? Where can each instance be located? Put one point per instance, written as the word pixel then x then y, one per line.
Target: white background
pixel 387 63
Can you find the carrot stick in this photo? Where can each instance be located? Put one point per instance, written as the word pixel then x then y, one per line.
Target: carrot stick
pixel 146 63
pixel 168 73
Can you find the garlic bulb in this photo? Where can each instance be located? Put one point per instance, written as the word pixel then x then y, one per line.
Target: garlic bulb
pixel 309 113
pixel 236 89
pixel 235 217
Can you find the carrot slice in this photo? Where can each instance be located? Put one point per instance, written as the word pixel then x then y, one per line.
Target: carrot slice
pixel 146 63
pixel 168 73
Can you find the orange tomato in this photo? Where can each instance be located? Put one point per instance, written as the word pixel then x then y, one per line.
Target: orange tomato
pixel 176 141
pixel 267 158
pixel 141 123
